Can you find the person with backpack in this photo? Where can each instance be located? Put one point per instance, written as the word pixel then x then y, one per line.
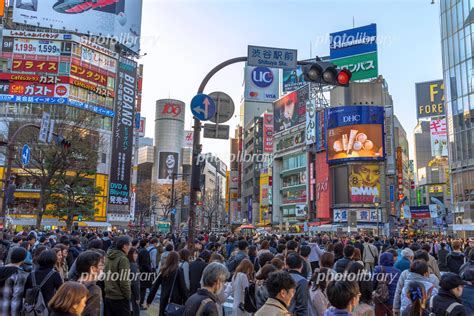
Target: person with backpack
pixel 456 258
pixel 385 284
pixel 448 301
pixel 69 300
pixel 241 280
pixel 241 254
pixel 12 283
pixel 41 284
pixel 370 254
pixel 443 258
pixel 154 253
pixel 196 269
pixel 205 301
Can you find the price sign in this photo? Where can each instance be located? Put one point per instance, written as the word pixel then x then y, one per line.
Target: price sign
pixel 37 47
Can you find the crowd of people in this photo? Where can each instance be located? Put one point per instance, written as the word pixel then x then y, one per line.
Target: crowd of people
pixel 103 273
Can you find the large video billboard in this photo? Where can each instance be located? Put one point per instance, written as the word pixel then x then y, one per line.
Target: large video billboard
pixel 117 19
pixel 354 133
pixel 430 99
pixel 290 110
pixel 267 133
pixel 122 136
pixel 364 182
pixel 323 187
pixel 293 79
pixel 261 84
pixel 168 165
pixel 439 138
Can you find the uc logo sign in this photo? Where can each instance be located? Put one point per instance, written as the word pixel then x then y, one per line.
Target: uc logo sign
pixel 262 77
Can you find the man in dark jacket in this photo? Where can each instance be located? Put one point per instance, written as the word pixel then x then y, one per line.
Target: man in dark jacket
pixel 242 254
pixel 299 303
pixel 106 242
pixel 359 245
pixel 196 269
pixel 448 302
pixel 118 292
pixel 456 258
pixel 12 283
pixel 469 265
pixel 144 264
pixel 89 266
pixel 443 258
pixel 204 301
pixel 342 263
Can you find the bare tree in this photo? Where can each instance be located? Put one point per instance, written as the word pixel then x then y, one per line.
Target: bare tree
pixel 210 207
pixel 164 201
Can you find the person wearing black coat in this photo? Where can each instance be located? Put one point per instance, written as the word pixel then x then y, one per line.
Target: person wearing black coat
pixel 448 301
pixel 135 286
pixel 171 280
pixel 144 265
pixel 195 271
pixel 342 263
pixel 456 258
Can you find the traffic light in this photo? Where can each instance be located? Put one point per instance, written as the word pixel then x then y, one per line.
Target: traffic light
pixel 326 73
pixel 62 142
pixel 79 218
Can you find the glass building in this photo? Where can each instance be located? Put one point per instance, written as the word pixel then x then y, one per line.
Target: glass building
pixel 457 39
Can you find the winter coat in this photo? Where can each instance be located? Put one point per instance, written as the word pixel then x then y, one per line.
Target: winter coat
pixel 49 288
pixel 273 307
pixel 135 284
pixel 402 264
pixel 363 309
pixel 318 302
pixel 443 300
pixel 403 301
pixel 94 300
pixel 299 303
pixel 12 282
pixel 390 272
pixel 455 260
pixel 178 292
pixel 467 299
pixel 239 283
pixel 261 294
pixel 336 312
pixel 443 260
pixel 234 261
pixel 193 304
pixel 341 264
pixel 117 262
pixel 195 273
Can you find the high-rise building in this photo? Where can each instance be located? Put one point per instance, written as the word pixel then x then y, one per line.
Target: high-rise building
pixel 457 19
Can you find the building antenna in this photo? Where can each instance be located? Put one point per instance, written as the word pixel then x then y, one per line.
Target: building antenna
pixel 353 22
pixel 310 50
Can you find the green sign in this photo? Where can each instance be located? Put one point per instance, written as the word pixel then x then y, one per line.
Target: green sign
pixel 362 66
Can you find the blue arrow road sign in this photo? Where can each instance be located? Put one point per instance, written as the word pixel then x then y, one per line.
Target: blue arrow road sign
pixel 203 107
pixel 25 155
pixel 173 211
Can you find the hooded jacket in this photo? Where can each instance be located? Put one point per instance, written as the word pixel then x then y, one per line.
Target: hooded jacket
pixel 391 274
pixel 455 260
pixel 12 283
pixel 117 264
pixel 418 278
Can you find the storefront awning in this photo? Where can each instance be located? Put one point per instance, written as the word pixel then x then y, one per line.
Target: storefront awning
pixel 32 222
pixel 462 227
pixel 94 224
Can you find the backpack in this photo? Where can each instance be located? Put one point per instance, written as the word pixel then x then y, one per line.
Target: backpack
pixel 250 302
pixel 202 306
pixel 449 310
pixel 34 302
pixel 380 294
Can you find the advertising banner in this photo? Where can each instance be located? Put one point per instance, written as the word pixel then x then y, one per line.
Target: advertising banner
pixel 35 65
pixel 4 86
pixel 288 142
pixel 188 138
pixel 39 90
pixel 424 211
pixel 356 41
pixel 355 133
pixel 310 122
pixel 364 183
pixel 34 78
pixel 430 99
pixel 100 90
pixel 234 179
pixel 141 129
pixel 363 215
pixel 293 79
pixel 122 140
pixel 37 47
pixel 320 131
pixel 170 109
pixel 290 110
pixel 267 133
pixel 439 138
pixel 323 187
pixel 117 19
pixel 168 164
pixel 88 74
pixel 97 59
pixel 363 66
pixel 300 210
pixel 261 84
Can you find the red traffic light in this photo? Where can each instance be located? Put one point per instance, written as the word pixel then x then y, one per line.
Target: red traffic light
pixel 343 77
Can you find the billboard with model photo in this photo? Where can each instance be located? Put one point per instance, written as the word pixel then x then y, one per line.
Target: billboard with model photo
pixel 354 133
pixel 290 110
pixel 364 182
pixel 168 165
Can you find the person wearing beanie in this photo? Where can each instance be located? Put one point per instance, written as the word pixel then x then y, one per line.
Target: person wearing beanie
pixel 448 301
pixel 12 283
pixel 405 259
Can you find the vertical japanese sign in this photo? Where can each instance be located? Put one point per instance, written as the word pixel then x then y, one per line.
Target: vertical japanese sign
pixel 267 133
pixel 323 188
pixel 310 122
pixel 122 133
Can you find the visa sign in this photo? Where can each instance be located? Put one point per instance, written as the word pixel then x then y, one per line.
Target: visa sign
pixel 261 84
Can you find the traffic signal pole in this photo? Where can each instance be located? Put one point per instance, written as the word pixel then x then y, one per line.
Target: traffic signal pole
pixel 195 176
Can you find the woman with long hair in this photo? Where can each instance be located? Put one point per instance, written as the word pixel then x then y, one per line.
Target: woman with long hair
pixel 69 300
pixel 417 295
pixel 318 300
pixel 184 255
pixel 61 264
pixel 171 280
pixel 135 286
pixel 243 275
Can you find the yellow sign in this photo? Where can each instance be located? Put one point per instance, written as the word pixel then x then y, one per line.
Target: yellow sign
pixel 435 189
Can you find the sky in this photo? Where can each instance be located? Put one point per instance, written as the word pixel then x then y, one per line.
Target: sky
pixel 184 39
